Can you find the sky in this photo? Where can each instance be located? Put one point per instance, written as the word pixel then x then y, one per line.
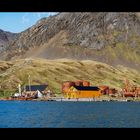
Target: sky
pixel 19 21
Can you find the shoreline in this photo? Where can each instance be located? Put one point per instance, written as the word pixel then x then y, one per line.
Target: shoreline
pixel 61 99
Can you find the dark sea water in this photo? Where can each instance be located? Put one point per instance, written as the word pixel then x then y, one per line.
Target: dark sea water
pixel 38 114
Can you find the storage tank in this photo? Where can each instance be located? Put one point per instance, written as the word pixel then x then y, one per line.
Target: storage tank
pixel 138 90
pixel 86 83
pixel 104 89
pixel 79 83
pixel 66 85
pixel 112 91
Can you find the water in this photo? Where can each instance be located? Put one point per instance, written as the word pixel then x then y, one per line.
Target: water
pixel 38 114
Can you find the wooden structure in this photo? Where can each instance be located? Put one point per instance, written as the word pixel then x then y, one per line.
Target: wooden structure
pixel 83 92
pixel 33 90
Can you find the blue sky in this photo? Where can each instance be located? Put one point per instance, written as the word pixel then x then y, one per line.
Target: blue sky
pixel 19 21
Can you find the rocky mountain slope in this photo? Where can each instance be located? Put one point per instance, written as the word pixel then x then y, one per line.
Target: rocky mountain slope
pixel 54 72
pixel 107 37
pixel 5 38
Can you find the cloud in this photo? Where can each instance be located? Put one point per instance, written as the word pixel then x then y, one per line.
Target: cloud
pixel 25 18
pixel 52 13
pixel 46 14
pixel 39 14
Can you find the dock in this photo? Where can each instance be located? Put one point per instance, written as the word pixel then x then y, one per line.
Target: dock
pixel 86 100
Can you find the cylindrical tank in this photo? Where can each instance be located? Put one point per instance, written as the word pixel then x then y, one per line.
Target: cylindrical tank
pixel 112 91
pixel 86 83
pixel 104 89
pixel 79 83
pixel 69 84
pixel 66 85
pixel 138 90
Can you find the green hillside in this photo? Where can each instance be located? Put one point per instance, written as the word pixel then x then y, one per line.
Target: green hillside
pixel 54 72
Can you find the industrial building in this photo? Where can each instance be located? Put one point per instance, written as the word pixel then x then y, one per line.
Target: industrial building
pixel 80 89
pixel 83 92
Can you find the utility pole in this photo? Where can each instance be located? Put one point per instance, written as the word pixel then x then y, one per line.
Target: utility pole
pixel 29 83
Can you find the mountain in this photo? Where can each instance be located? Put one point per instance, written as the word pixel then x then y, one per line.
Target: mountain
pixel 102 47
pixel 5 38
pixel 54 72
pixel 108 37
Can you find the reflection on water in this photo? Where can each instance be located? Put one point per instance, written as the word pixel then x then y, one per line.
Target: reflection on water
pixel 69 114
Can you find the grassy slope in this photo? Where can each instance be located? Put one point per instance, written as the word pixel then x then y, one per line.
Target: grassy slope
pixel 123 53
pixel 54 72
